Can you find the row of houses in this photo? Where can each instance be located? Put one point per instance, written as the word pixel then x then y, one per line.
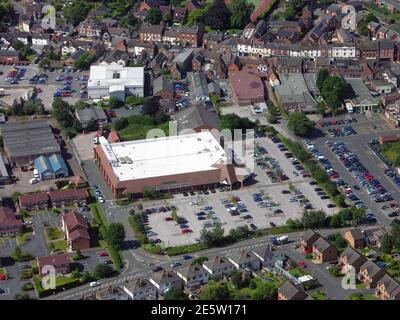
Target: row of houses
pixel 54 199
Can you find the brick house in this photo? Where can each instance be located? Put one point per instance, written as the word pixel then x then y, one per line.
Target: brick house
pixel 386 50
pixel 34 201
pixel 60 262
pixel 10 57
pixel 387 288
pixel 323 251
pixel 62 198
pixel 308 239
pixel 163 88
pixel 355 238
pixel 192 36
pixel 351 258
pixel 370 274
pixel 10 225
pixel 76 231
pixel 288 291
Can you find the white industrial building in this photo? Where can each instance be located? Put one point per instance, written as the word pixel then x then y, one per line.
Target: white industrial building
pixel 114 80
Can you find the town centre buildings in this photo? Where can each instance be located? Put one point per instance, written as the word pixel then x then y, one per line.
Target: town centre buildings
pixel 169 163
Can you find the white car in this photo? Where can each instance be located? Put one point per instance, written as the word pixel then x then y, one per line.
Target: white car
pixel 94 284
pixel 193 203
pixel 36 173
pixel 33 181
pixel 101 199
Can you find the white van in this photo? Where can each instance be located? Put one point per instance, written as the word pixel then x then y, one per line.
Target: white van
pixel 36 173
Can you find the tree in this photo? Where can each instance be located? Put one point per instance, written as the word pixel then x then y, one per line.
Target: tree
pixel 151 106
pixel 121 123
pixel 265 291
pixel 195 17
pixel 154 16
pixel 175 294
pixel 17 254
pixel 323 74
pixel 85 60
pixel 115 103
pixel 78 255
pixel 213 237
pixel 132 21
pixel 232 121
pixel 92 125
pixel 22 296
pixel 160 117
pixel 333 90
pixel 116 235
pixel 241 12
pixel 395 233
pixel 76 11
pixel 215 291
pixel 314 219
pixel 387 244
pixel 167 17
pixel 218 16
pixel 299 124
pixel 103 271
pixel 289 13
pixel 363 24
pixel 199 260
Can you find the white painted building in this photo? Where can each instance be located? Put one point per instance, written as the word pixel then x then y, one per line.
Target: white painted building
pixel 114 80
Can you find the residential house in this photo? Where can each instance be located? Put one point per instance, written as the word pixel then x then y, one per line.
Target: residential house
pixel 323 251
pixel 179 14
pixel 308 239
pixel 193 275
pixel 171 37
pixel 112 293
pixel 288 291
pixel 41 39
pixel 61 198
pixel 386 50
pixel 163 88
pixel 245 260
pixel 10 57
pixel 165 280
pixel 140 289
pixel 355 238
pixel 351 258
pixel 75 56
pixel 151 33
pixel 60 262
pixel 192 36
pixel 370 274
pixel 218 267
pixel 10 224
pixel 198 62
pixel 34 201
pixel 266 255
pixel 387 288
pixel 90 29
pixel 76 231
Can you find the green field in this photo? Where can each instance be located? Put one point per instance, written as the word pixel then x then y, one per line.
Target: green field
pixel 137 131
pixel 391 151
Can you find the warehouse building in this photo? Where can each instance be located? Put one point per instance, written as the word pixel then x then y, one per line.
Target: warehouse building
pixel 247 87
pixel 26 140
pixel 52 167
pixel 172 163
pixel 114 80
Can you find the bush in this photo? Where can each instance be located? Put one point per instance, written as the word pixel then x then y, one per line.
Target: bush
pixel 115 258
pixel 152 248
pixel 174 251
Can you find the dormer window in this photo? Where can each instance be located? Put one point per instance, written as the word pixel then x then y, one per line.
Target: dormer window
pixel 116 75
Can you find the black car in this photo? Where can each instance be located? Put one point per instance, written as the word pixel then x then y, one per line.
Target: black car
pixel 191 193
pixel 157 268
pixel 313 183
pixel 331 205
pixel 285 191
pixel 356 187
pixel 393 214
pixel 253 226
pixel 212 190
pixel 272 224
pixel 185 194
pixel 324 197
pixel 247 216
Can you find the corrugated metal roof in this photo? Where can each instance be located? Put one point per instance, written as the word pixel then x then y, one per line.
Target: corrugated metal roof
pixel 57 163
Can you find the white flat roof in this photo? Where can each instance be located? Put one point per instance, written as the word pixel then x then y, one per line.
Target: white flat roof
pixel 103 75
pixel 164 156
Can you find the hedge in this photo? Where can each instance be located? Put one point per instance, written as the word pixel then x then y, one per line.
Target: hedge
pixel 174 251
pixel 115 257
pixel 152 248
pixel 47 292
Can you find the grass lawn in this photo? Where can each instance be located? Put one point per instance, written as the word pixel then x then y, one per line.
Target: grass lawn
pixel 21 239
pixel 54 233
pixel 60 281
pixel 391 151
pixel 58 246
pixel 319 295
pixel 137 131
pixel 360 285
pixel 361 296
pixel 298 272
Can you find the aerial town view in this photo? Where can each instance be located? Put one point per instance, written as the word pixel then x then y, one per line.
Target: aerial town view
pixel 200 150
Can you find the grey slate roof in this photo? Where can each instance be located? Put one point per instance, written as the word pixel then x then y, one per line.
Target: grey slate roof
pixel 291 292
pixel 321 244
pixel 87 114
pixel 352 255
pixel 200 115
pixel 162 83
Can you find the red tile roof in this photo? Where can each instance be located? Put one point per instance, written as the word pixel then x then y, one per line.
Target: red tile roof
pixel 33 198
pixel 8 218
pixel 77 194
pixel 73 219
pixel 56 260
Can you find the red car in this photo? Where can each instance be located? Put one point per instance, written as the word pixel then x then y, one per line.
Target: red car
pixel 168 219
pixel 321 124
pixel 2 277
pixel 65 94
pixel 301 264
pixel 103 254
pixel 187 230
pixel 111 113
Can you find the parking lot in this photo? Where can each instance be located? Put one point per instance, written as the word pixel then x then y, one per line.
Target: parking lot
pixel 47 81
pixel 278 204
pixel 84 145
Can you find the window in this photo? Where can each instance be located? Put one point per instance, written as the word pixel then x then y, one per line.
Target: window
pixel 116 75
